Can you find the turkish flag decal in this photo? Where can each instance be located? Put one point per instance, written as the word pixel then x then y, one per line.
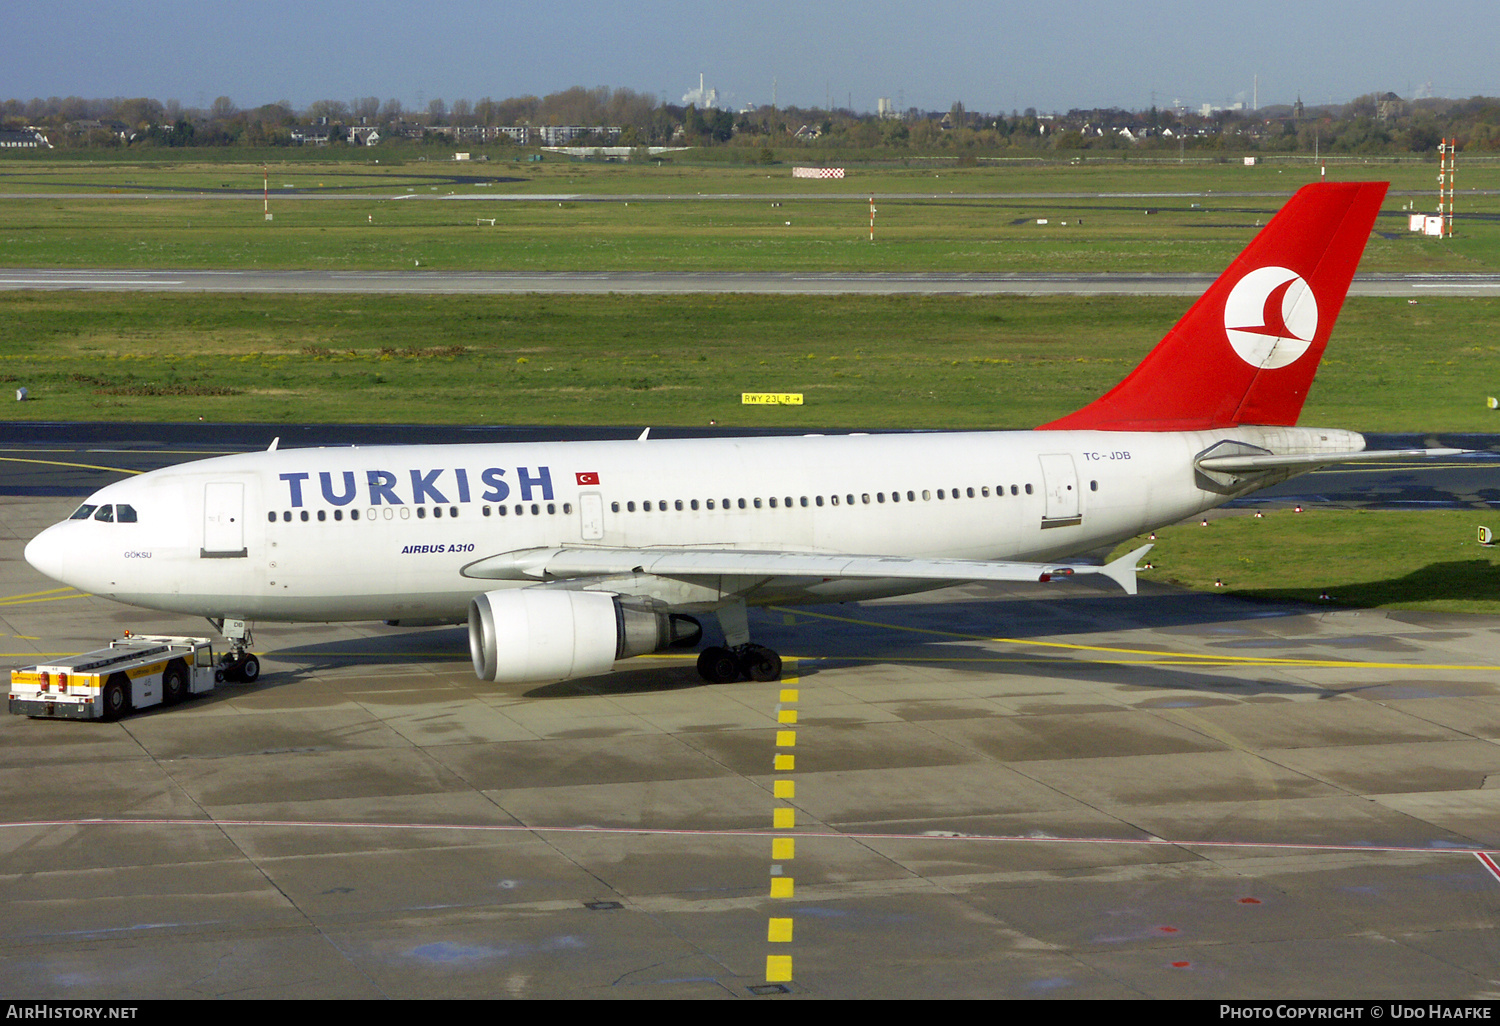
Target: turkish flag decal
pixel 591 478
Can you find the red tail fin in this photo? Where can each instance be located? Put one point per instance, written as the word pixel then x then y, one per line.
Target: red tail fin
pixel 1247 351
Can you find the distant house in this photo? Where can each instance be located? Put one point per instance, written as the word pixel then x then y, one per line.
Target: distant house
pixel 23 139
pixel 312 135
pixel 361 136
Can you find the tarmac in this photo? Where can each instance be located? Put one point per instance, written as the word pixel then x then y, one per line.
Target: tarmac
pixel 1040 791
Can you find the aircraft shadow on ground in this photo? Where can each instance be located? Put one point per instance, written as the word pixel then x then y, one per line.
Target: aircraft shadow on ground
pixel 1229 619
pixel 950 633
pixel 1474 580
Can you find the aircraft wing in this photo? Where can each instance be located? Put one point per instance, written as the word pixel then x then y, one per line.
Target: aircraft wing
pixel 582 561
pixel 1244 463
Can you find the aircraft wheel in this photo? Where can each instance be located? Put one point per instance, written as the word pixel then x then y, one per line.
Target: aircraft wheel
pixel 250 669
pixel 718 665
pixel 762 664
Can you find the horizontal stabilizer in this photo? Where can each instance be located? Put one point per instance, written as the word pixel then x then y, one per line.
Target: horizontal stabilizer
pixel 1251 463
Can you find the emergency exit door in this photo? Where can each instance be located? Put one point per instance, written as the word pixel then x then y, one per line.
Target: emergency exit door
pixel 591 516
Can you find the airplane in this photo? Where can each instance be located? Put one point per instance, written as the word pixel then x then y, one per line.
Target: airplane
pixel 564 557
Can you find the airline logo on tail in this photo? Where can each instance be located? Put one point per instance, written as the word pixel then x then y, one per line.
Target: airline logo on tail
pixel 1263 306
pixel 1271 317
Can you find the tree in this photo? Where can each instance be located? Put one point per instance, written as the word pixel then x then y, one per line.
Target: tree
pixel 333 110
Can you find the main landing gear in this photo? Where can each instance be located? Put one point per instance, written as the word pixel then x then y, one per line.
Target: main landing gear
pixel 237 665
pixel 725 666
pixel 741 659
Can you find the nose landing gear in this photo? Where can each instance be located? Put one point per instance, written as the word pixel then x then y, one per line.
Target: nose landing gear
pixel 237 665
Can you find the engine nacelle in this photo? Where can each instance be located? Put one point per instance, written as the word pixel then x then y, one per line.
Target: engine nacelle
pixel 530 635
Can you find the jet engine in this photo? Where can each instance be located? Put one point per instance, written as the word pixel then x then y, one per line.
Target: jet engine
pixel 539 634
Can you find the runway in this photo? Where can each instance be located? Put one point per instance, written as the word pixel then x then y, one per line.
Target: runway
pixel 423 282
pixel 1028 791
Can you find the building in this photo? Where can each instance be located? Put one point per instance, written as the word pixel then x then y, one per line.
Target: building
pixel 312 135
pixel 561 135
pixel 23 139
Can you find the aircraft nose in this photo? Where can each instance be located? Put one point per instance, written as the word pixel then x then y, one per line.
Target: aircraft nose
pixel 48 552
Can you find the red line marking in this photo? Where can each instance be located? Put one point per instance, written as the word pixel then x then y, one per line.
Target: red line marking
pixel 1488 862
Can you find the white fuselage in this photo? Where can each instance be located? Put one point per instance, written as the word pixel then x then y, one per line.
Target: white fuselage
pixel 384 532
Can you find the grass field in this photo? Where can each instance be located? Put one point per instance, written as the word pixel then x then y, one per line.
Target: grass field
pixel 862 362
pixel 1167 217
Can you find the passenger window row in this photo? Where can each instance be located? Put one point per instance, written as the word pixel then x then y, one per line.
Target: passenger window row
pixel 438 512
pixel 848 499
pixel 125 514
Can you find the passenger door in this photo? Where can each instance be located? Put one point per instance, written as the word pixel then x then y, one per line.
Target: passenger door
pixel 223 520
pixel 1060 489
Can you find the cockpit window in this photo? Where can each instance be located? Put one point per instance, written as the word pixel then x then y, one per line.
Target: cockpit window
pixel 83 512
pixel 106 514
pixel 124 514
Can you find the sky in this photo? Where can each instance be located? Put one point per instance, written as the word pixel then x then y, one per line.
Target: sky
pixel 993 57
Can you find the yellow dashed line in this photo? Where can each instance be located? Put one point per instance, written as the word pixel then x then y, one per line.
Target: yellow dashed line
pixel 783 849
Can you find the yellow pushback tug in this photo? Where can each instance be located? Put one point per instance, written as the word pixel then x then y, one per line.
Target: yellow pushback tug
pixel 135 672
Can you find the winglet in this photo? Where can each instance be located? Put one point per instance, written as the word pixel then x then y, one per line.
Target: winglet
pixel 1122 570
